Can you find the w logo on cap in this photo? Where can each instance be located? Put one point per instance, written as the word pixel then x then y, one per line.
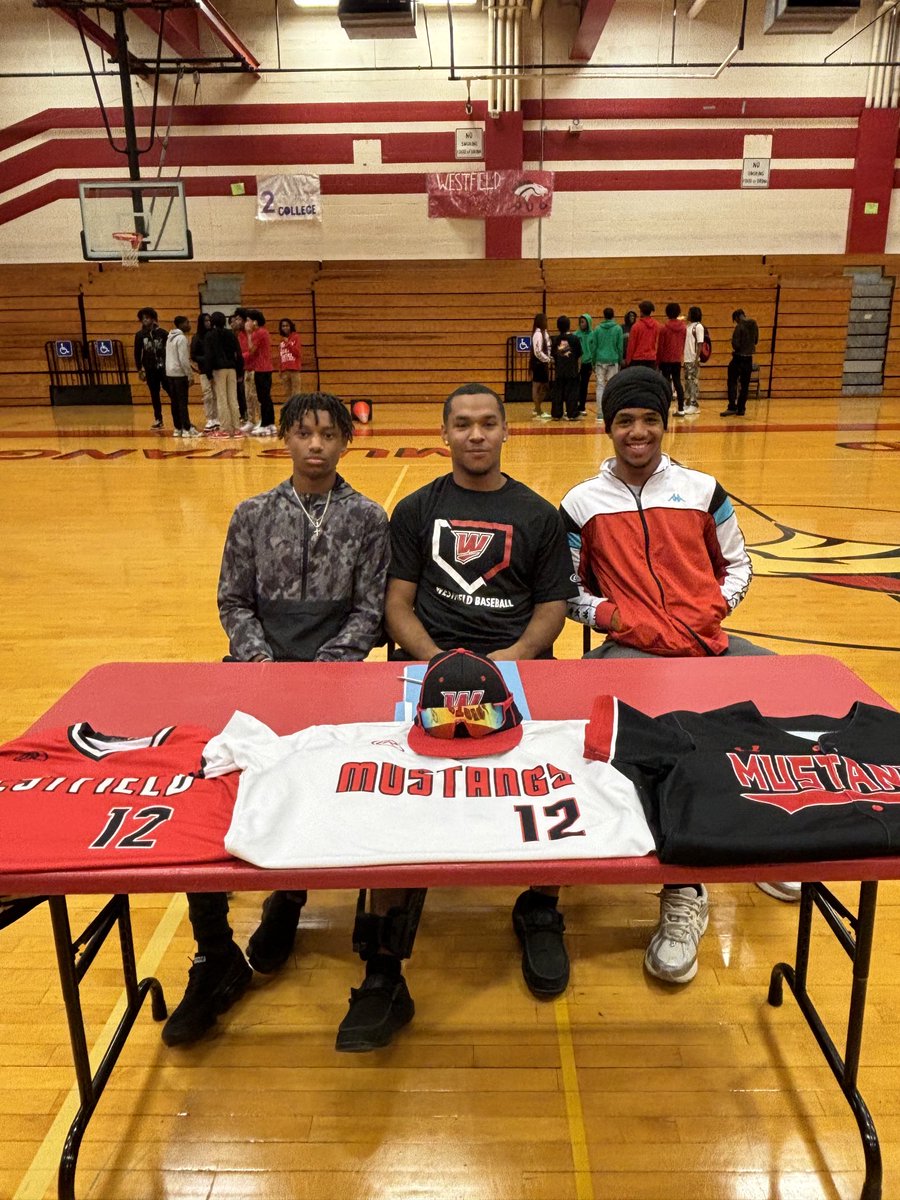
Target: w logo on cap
pixel 458 700
pixel 470 545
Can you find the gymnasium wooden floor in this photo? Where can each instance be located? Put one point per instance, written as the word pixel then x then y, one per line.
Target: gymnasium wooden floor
pixel 622 1089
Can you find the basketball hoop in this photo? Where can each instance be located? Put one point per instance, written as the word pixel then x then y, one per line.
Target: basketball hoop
pixel 130 245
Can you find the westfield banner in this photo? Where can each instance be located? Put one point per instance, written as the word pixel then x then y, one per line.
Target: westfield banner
pixel 490 194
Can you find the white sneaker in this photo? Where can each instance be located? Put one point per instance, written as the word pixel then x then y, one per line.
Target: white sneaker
pixel 683 917
pixel 691 410
pixel 247 427
pixel 272 430
pixel 545 417
pixel 259 431
pixel 788 892
pixel 192 432
pixel 176 433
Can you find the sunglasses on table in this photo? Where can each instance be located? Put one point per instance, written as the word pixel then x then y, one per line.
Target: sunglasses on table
pixel 477 720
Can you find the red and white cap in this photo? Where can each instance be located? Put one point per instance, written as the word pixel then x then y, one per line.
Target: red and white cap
pixel 465 710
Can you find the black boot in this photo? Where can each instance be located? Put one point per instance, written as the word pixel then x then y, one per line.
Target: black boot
pixel 540 927
pixel 378 1008
pixel 215 982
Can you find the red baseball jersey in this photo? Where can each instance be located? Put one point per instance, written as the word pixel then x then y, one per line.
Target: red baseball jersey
pixel 73 798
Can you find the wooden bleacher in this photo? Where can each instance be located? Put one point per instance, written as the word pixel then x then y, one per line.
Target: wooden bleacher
pixel 412 331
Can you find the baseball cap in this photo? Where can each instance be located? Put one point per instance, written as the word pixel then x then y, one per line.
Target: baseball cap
pixel 465 710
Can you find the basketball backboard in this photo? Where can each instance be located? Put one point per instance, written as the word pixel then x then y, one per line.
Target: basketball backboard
pixel 154 209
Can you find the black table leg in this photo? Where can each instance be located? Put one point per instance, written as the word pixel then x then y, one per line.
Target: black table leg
pixel 854 932
pixel 74 959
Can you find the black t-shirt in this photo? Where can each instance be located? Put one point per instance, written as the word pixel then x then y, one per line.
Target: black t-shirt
pixel 482 561
pixel 150 350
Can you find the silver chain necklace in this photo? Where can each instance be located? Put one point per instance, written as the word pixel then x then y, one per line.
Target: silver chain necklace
pixel 315 522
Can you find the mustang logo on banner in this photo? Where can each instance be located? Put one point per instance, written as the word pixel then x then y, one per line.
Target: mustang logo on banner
pixel 490 193
pixel 288 198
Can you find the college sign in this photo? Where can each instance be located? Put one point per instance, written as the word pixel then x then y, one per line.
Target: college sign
pixel 490 193
pixel 288 198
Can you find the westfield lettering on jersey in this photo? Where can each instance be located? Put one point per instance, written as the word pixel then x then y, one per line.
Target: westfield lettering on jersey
pixel 793 782
pixel 115 785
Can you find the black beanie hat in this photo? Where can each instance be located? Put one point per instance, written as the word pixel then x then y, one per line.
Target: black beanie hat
pixel 637 387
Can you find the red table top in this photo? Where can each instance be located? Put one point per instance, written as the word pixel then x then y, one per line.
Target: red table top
pixel 132 698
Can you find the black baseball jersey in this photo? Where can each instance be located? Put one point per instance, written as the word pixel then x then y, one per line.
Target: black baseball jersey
pixel 733 786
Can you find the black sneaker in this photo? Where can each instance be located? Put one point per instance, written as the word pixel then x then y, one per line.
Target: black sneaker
pixel 539 927
pixel 729 412
pixel 270 946
pixel 157 424
pixel 378 1008
pixel 215 982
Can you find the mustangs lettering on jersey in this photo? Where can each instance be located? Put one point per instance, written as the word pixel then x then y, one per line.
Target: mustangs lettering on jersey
pixel 731 785
pixel 73 798
pixel 796 781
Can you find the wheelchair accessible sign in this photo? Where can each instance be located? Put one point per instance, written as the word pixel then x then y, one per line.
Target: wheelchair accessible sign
pixel 523 343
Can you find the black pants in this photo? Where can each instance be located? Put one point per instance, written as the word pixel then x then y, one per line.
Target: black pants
pixel 584 379
pixel 242 398
pixel 264 395
pixel 154 383
pixel 564 394
pixel 178 394
pixel 672 372
pixel 739 370
pixel 208 912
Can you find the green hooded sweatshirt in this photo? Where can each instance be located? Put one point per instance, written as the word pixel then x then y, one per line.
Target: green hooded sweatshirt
pixel 586 339
pixel 607 343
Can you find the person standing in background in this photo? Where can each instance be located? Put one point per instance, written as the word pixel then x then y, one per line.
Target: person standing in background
pixel 627 324
pixel 566 351
pixel 607 351
pixel 150 359
pixel 743 346
pixel 670 352
pixel 248 405
pixel 583 333
pixel 209 396
pixel 289 354
pixel 222 359
pixel 180 374
pixel 540 366
pixel 644 337
pixel 693 340
pixel 259 346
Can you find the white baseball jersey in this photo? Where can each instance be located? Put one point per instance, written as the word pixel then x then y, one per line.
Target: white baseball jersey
pixel 355 795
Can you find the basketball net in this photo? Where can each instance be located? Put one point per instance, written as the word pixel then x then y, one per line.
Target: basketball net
pixel 130 246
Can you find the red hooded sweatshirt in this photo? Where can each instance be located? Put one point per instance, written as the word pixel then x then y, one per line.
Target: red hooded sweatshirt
pixel 642 340
pixel 671 341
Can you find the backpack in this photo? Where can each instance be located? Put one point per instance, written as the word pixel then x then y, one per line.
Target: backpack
pixel 704 348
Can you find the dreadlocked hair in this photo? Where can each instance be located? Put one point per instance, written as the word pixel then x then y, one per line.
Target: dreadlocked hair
pixel 315 402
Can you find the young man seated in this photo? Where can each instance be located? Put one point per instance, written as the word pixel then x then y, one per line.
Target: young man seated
pixel 302 580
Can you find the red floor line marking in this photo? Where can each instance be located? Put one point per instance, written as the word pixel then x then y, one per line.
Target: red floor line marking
pixel 589 429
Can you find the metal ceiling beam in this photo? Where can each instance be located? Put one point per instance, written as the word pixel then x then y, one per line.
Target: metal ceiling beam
pixel 227 35
pixel 94 33
pixel 181 31
pixel 594 15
